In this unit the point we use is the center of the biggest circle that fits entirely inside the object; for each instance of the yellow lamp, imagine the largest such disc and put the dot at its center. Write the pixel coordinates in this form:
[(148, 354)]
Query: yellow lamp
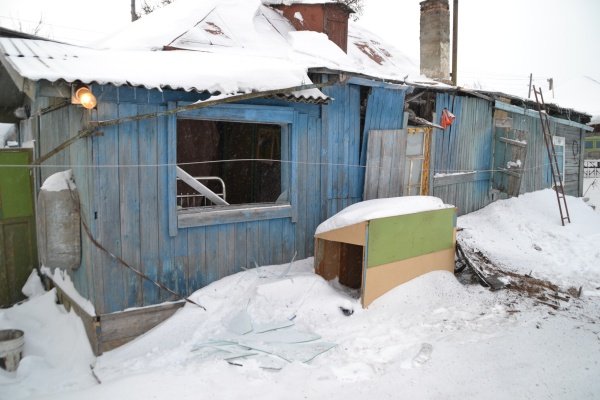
[(84, 96)]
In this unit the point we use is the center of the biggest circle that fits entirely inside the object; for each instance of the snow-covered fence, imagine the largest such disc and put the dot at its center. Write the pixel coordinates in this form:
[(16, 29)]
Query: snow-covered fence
[(591, 169)]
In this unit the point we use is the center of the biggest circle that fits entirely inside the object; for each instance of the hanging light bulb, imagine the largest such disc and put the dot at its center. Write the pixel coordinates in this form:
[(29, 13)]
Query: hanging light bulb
[(84, 96)]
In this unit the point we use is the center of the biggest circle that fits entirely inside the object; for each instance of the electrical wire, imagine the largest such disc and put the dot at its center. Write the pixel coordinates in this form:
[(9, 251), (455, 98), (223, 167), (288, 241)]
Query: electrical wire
[(303, 163)]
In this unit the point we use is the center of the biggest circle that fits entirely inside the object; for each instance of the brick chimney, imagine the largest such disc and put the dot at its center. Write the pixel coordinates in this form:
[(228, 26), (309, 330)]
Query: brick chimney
[(435, 39), (328, 18)]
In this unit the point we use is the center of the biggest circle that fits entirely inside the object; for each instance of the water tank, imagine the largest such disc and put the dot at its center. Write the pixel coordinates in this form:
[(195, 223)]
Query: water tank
[(58, 222)]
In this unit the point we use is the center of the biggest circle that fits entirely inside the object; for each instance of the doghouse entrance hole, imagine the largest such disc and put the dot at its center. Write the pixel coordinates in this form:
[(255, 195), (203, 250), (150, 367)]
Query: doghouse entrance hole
[(340, 260)]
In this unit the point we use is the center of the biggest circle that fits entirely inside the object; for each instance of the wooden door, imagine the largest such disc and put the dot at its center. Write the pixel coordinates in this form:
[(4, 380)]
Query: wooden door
[(386, 152), (397, 163), (18, 251)]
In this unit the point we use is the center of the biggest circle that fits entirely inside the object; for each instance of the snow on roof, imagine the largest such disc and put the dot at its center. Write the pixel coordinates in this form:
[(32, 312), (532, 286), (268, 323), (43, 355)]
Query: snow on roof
[(288, 2), (37, 60), (381, 208), (595, 120), (233, 46)]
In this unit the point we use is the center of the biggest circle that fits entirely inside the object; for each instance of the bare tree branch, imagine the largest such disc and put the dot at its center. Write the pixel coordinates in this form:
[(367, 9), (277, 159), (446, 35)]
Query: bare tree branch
[(147, 8)]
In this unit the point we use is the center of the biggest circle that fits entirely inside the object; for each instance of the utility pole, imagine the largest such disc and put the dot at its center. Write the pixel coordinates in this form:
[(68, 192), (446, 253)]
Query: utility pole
[(455, 44), (134, 15), (530, 82)]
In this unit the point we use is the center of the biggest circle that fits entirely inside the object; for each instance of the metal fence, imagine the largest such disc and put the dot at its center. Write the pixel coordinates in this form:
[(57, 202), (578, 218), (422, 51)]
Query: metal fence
[(591, 169)]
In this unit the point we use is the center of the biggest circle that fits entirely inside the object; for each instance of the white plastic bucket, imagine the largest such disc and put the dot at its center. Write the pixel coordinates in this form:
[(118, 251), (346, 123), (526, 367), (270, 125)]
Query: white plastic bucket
[(11, 348)]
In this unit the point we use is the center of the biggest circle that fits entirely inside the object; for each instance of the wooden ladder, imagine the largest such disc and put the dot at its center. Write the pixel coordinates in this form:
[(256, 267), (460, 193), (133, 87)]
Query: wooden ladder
[(555, 171)]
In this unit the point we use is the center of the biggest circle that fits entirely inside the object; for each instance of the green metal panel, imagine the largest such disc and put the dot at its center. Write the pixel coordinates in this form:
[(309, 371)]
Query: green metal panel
[(18, 251), (406, 236)]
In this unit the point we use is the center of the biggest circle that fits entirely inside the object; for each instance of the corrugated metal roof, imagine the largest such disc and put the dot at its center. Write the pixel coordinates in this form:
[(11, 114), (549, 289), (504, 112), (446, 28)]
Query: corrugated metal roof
[(218, 46), (41, 60)]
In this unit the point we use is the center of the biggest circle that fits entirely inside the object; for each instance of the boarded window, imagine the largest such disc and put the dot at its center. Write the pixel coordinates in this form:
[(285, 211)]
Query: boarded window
[(240, 162)]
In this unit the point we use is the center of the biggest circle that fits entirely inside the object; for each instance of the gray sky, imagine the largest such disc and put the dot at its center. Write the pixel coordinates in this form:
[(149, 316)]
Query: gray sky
[(500, 43)]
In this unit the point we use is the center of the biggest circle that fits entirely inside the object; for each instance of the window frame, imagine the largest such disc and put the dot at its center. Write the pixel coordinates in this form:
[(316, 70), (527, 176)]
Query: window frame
[(241, 113)]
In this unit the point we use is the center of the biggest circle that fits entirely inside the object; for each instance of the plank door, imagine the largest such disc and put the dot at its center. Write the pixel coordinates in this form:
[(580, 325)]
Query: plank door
[(510, 151), (18, 251), (386, 151)]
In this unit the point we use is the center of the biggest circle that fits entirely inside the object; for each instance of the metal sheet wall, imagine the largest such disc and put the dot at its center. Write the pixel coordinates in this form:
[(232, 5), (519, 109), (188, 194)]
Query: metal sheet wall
[(464, 148)]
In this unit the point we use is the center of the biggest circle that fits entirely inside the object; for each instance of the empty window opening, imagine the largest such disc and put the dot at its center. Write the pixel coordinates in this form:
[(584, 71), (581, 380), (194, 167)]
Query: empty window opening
[(241, 163)]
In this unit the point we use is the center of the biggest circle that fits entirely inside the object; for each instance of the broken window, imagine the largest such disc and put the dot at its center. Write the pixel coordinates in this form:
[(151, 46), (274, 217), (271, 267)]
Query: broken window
[(235, 163)]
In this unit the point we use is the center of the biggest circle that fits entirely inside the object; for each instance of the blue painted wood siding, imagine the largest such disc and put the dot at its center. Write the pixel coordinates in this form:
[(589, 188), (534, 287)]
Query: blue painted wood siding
[(125, 180), (537, 167), (464, 146), (340, 150)]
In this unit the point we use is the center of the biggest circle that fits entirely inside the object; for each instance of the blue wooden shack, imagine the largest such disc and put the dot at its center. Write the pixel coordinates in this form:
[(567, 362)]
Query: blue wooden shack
[(280, 137), (280, 161)]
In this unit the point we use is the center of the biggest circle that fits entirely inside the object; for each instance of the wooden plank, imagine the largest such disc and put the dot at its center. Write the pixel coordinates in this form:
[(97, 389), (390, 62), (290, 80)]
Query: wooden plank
[(288, 243), (130, 324), (253, 243), (223, 251), (108, 214), (301, 225), (372, 83), (81, 159), (94, 198), (461, 178), (294, 188), (91, 323), (181, 274), (234, 214), (241, 113), (512, 142), (344, 116), (325, 169), (432, 158), (149, 211), (125, 94), (130, 204), (164, 237), (172, 171), (355, 171), (240, 246), (275, 244), (313, 182), (373, 164), (388, 143), (212, 253), (196, 259), (229, 255), (264, 253)]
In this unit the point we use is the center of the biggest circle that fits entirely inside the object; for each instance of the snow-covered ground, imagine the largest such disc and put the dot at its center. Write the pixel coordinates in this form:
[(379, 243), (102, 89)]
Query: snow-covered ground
[(430, 338)]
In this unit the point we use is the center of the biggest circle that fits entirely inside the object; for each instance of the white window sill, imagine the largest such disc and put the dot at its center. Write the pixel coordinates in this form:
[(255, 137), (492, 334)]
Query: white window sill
[(204, 216)]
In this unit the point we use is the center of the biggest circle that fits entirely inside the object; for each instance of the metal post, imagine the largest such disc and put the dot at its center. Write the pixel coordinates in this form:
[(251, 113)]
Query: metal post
[(455, 44)]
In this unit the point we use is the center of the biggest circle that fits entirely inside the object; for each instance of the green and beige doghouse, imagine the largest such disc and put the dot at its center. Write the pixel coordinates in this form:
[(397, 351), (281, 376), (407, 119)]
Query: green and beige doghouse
[(378, 245)]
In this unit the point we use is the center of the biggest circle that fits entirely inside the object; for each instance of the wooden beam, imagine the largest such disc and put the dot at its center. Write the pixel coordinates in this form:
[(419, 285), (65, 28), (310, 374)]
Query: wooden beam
[(461, 178), (232, 214), (513, 142)]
